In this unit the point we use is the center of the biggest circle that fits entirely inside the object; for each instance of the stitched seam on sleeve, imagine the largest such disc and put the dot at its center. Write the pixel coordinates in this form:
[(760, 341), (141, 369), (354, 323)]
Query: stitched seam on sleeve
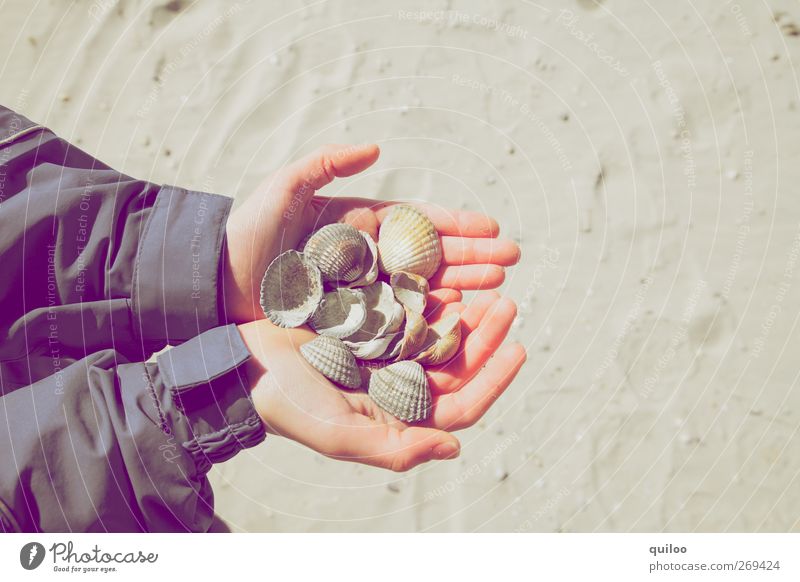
[(136, 303), (151, 390)]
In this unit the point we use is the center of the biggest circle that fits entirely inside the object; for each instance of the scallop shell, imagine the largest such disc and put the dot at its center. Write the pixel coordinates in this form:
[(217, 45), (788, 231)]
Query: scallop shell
[(401, 389), (408, 241), (340, 313), (443, 341), (291, 290), (412, 340), (333, 360), (384, 318), (338, 250), (410, 289), (370, 271)]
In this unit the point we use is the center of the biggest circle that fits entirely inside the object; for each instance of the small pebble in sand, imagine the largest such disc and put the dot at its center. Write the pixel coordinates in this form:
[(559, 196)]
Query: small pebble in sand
[(490, 180), (64, 98), (732, 174), (274, 60), (393, 487), (510, 149), (500, 474)]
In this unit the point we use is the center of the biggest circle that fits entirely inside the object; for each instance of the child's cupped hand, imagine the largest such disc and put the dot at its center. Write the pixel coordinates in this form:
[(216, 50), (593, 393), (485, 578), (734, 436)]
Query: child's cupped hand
[(286, 207), (294, 400)]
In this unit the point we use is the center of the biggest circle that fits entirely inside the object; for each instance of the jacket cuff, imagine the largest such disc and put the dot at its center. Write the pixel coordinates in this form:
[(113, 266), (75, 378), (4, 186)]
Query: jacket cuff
[(174, 293), (206, 381)]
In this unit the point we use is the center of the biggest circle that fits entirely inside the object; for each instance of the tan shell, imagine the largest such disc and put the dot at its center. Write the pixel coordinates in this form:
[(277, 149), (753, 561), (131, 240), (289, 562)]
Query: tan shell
[(338, 250), (370, 271), (408, 241), (291, 290), (401, 389), (333, 360), (410, 289), (443, 341), (341, 313), (412, 340)]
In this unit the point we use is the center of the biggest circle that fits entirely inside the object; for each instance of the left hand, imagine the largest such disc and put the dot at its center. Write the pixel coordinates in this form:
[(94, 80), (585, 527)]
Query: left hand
[(297, 402), (285, 208)]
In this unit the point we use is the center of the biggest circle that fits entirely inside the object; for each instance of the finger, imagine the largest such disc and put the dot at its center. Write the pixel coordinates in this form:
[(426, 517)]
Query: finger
[(470, 251), (451, 222), (397, 449), (477, 348), (477, 309), (469, 277), (309, 174), (465, 407), (447, 222), (439, 299)]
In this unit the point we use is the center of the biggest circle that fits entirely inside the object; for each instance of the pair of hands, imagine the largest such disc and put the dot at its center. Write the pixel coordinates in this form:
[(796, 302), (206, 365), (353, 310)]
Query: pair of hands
[(297, 402)]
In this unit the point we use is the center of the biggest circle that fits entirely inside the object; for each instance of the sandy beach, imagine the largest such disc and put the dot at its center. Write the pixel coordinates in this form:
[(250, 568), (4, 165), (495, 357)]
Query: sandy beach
[(645, 155)]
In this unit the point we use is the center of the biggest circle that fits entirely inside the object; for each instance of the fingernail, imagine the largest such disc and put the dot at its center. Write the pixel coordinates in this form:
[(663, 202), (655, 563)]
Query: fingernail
[(446, 451)]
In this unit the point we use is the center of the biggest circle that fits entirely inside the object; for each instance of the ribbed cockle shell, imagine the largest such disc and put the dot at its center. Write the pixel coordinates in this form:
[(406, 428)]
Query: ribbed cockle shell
[(333, 360), (443, 341), (291, 290), (408, 241), (338, 250), (401, 389)]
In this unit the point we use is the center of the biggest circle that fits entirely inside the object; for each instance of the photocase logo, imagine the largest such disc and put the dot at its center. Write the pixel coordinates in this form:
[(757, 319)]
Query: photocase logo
[(31, 555)]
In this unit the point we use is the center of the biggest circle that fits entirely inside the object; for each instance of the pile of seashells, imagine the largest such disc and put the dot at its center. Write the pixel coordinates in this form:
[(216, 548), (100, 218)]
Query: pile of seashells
[(366, 301)]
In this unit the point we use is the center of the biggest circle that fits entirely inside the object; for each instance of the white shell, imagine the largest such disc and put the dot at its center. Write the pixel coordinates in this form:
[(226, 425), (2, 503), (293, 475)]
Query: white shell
[(341, 312), (412, 339), (410, 289), (290, 290), (401, 389), (369, 273), (384, 318), (443, 341), (338, 250), (333, 360), (408, 241)]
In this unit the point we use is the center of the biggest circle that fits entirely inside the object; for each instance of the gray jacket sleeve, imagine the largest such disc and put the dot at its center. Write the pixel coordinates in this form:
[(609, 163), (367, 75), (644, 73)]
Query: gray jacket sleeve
[(99, 271)]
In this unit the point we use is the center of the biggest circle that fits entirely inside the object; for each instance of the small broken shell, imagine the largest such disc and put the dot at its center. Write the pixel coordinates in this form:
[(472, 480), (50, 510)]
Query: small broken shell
[(401, 389), (384, 318), (410, 289), (370, 272), (338, 250), (333, 360), (408, 241), (443, 341), (340, 313), (412, 340), (290, 290)]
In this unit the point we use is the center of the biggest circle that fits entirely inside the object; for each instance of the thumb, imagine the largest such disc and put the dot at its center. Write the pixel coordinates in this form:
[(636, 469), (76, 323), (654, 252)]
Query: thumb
[(399, 449), (309, 174)]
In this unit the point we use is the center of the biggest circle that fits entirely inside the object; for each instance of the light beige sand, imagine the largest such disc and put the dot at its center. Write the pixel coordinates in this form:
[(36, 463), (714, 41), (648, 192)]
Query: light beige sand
[(645, 154)]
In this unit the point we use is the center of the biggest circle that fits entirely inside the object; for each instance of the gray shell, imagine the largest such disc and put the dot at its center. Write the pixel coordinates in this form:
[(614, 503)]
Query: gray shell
[(338, 250), (401, 389), (369, 273), (333, 360), (290, 290)]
